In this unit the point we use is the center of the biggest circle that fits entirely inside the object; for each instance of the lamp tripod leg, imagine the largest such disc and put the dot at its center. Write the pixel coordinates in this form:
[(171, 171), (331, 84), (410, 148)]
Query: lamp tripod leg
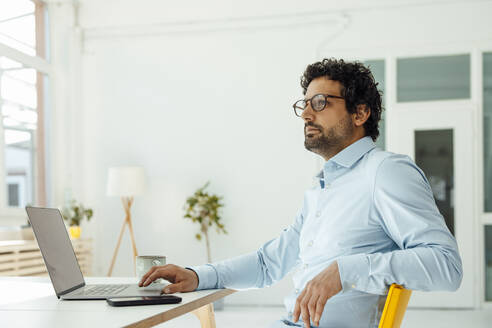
[(132, 236), (117, 247), (127, 203)]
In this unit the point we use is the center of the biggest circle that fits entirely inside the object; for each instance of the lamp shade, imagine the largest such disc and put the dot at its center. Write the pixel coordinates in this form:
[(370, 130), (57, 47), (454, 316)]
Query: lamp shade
[(125, 181)]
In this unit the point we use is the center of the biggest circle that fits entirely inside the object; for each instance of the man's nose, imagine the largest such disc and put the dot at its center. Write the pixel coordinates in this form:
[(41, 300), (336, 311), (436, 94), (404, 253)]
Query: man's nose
[(307, 114)]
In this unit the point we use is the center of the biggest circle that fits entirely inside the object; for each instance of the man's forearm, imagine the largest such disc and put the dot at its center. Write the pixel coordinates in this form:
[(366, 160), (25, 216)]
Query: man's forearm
[(256, 269), (428, 268), (241, 272)]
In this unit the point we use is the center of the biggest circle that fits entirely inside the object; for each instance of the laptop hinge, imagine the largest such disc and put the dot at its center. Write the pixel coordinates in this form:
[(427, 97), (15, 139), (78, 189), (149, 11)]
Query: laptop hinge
[(70, 290)]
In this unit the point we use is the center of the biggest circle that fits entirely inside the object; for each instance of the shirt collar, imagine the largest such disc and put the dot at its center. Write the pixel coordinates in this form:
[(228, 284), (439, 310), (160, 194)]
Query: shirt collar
[(349, 155)]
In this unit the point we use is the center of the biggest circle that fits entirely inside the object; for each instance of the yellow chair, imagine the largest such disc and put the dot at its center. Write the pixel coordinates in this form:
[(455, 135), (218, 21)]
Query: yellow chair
[(395, 306)]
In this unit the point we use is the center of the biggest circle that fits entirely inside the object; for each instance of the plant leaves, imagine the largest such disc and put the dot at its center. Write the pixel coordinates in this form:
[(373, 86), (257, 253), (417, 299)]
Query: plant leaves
[(203, 208)]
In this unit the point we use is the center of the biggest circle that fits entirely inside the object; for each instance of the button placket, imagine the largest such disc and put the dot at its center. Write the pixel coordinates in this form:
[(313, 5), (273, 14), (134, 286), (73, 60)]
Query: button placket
[(322, 199)]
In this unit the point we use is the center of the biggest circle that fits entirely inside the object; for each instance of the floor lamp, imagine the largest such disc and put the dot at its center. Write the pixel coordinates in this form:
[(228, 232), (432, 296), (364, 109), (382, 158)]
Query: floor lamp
[(125, 182)]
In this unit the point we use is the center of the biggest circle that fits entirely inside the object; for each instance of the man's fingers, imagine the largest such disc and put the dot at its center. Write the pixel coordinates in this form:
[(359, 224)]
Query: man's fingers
[(297, 307), (320, 306), (155, 275), (174, 288), (312, 306), (297, 311), (159, 272), (305, 312), (145, 276)]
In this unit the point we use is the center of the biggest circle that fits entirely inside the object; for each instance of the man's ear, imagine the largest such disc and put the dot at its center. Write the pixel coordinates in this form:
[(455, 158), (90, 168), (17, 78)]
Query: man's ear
[(361, 115)]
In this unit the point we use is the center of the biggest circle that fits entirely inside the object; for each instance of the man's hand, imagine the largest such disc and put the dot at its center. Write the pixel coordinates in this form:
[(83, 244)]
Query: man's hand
[(183, 280), (313, 298)]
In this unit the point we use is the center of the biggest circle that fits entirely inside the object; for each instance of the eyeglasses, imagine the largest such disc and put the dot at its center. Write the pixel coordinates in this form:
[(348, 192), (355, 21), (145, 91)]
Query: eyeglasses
[(318, 103)]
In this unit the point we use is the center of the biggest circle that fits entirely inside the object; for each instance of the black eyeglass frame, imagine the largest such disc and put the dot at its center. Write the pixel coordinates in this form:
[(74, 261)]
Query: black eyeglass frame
[(309, 100)]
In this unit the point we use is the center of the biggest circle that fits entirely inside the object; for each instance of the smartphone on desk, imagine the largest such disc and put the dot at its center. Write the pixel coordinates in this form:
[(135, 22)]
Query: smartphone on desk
[(143, 300)]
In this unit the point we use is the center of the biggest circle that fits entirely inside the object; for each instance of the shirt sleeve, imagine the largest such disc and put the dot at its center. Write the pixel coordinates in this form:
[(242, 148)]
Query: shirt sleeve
[(427, 258), (257, 269)]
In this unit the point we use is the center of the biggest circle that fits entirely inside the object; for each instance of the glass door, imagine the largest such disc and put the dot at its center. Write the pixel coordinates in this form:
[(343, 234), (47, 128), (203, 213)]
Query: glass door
[(439, 138)]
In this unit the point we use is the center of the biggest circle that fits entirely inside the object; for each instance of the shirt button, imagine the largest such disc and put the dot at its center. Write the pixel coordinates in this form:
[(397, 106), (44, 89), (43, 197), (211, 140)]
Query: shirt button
[(297, 291), (318, 214), (327, 185), (305, 266), (310, 243), (353, 286)]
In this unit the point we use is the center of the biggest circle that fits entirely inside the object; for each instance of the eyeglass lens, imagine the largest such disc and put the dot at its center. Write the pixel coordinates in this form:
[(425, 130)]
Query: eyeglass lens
[(318, 102)]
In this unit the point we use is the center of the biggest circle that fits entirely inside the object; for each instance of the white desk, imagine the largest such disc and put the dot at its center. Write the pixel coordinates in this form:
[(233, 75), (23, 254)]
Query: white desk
[(31, 301)]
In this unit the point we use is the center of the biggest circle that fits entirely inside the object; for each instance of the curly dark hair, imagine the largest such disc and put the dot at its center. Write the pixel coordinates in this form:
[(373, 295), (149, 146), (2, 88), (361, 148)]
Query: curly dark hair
[(358, 87)]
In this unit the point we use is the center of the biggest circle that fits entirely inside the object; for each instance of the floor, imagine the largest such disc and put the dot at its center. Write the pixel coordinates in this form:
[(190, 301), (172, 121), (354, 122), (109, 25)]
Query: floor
[(247, 317)]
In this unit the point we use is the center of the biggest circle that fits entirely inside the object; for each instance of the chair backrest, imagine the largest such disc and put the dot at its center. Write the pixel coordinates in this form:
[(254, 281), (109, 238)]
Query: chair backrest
[(395, 307)]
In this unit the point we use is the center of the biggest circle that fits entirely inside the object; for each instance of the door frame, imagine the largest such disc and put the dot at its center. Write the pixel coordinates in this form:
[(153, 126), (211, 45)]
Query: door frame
[(405, 118)]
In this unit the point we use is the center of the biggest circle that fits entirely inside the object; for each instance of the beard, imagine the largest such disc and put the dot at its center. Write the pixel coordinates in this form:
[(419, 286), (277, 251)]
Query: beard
[(329, 142)]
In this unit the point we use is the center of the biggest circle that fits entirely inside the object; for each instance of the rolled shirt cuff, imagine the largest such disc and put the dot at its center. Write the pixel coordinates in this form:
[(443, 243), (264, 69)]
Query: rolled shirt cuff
[(207, 276), (354, 272)]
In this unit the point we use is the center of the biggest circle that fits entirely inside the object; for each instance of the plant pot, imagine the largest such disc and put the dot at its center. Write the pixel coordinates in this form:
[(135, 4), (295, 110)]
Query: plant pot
[(74, 232)]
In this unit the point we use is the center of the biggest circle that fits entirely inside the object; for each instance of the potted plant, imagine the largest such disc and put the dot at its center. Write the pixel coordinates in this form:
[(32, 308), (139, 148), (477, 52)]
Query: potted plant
[(203, 208), (74, 214)]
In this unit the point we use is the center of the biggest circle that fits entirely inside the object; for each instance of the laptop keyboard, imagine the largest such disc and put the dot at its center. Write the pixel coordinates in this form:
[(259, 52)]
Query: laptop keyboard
[(104, 290)]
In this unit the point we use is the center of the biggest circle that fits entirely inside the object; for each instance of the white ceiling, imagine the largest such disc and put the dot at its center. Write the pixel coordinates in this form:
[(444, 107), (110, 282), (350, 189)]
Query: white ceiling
[(96, 13)]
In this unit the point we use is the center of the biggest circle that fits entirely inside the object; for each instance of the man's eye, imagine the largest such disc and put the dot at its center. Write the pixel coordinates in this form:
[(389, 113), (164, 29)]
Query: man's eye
[(318, 103)]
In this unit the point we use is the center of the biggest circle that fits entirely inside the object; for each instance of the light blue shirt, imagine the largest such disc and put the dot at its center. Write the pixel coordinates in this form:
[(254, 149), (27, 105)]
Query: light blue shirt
[(374, 213)]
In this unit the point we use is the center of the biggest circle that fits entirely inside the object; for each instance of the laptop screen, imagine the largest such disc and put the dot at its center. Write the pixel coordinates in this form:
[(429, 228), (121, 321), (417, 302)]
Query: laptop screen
[(55, 245)]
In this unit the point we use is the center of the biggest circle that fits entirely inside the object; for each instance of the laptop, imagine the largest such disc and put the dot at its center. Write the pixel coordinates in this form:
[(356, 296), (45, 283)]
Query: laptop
[(63, 268)]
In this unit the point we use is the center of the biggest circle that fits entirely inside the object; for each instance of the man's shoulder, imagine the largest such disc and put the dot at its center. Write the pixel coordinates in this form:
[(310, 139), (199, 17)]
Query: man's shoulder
[(378, 160), (377, 156), (387, 167)]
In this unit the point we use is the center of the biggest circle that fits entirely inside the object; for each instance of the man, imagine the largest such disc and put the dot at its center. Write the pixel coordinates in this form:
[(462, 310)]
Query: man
[(371, 222)]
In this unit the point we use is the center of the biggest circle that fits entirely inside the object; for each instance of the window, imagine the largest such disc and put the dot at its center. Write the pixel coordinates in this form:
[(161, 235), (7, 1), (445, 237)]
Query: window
[(433, 78), (23, 99), (487, 130), (434, 155), (17, 25), (488, 262)]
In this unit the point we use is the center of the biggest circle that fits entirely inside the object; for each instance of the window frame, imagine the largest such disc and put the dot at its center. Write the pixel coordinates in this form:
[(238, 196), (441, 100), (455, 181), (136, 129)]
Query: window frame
[(43, 69)]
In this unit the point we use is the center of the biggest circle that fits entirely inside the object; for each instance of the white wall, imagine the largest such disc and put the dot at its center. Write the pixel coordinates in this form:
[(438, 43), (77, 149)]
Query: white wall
[(212, 101), (213, 107)]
